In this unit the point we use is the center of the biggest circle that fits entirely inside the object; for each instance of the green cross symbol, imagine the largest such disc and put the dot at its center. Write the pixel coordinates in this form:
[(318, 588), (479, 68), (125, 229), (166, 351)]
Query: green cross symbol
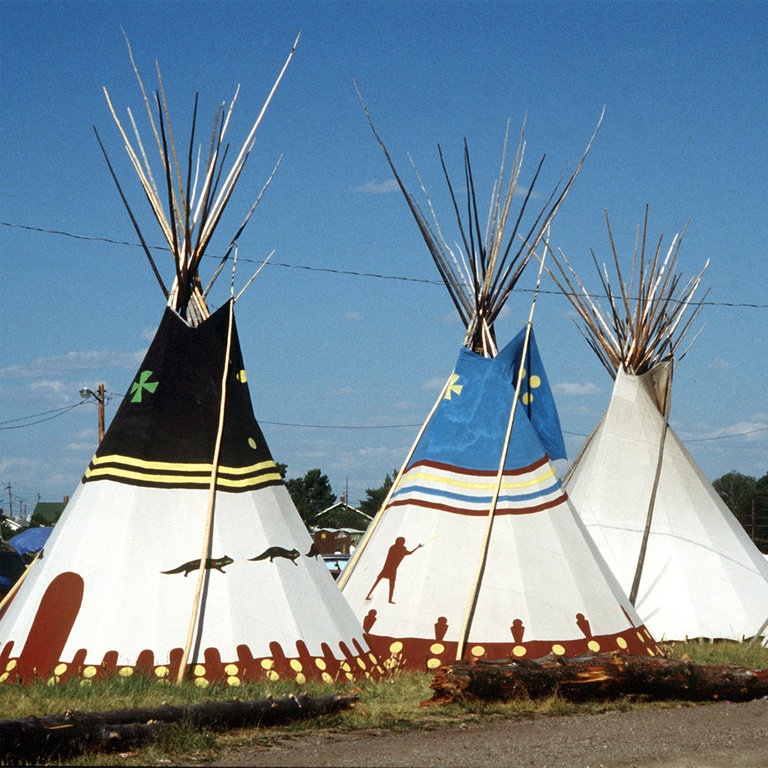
[(139, 386)]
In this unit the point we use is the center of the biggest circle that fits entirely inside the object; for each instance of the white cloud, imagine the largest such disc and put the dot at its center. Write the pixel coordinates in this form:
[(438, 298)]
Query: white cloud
[(352, 316), (753, 429), (576, 389), (433, 385), (346, 391), (378, 188), (719, 364), (73, 362), (52, 387), (521, 191)]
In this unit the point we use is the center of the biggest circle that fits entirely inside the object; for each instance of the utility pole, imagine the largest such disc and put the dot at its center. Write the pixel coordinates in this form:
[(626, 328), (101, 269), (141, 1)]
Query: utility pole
[(99, 397)]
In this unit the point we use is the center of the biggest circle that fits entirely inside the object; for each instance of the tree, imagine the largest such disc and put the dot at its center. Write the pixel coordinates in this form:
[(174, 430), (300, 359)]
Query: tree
[(747, 498), (375, 496), (311, 494)]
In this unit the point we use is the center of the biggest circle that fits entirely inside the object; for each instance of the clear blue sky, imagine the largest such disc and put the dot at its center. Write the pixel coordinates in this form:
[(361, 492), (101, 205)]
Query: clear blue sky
[(685, 86)]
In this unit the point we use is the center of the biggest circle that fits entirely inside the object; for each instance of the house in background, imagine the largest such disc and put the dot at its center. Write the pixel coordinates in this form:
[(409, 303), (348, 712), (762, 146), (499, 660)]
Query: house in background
[(339, 528), (48, 512)]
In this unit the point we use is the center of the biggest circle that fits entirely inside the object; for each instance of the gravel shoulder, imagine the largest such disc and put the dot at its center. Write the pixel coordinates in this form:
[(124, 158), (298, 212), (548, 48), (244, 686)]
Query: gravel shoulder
[(722, 735)]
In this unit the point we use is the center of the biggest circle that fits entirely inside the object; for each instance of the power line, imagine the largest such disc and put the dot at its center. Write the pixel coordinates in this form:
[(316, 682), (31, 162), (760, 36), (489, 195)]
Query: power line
[(56, 412), (9, 424), (330, 270), (724, 437), (339, 426)]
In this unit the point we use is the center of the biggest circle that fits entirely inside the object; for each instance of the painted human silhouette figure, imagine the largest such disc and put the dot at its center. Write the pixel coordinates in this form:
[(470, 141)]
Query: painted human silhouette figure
[(518, 630), (583, 624), (369, 620), (441, 627), (396, 554)]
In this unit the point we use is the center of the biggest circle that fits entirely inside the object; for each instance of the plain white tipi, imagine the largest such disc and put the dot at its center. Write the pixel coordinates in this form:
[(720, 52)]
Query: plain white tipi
[(477, 551), (181, 554), (675, 547)]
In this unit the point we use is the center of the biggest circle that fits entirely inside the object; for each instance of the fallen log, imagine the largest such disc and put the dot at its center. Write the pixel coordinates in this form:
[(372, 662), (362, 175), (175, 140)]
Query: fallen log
[(31, 739), (599, 677)]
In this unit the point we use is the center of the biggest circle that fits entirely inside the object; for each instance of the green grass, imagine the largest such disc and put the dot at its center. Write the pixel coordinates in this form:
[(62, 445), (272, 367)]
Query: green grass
[(392, 704)]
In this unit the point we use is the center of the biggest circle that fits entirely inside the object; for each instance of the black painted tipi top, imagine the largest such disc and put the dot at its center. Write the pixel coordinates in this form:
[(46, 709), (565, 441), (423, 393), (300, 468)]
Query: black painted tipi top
[(164, 433)]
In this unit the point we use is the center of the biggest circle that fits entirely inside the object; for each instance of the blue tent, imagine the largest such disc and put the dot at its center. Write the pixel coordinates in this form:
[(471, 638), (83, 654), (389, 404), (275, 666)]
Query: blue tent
[(30, 541)]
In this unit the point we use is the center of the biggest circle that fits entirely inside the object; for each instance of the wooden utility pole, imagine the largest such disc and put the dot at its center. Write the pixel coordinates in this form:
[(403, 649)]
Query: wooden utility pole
[(101, 401), (100, 397)]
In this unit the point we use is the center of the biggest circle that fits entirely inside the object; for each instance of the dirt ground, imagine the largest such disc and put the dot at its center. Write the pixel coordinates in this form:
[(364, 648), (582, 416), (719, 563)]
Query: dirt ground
[(722, 735)]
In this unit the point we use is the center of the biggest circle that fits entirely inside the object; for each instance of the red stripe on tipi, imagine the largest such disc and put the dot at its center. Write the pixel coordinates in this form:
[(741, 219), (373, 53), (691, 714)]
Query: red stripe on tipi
[(53, 622)]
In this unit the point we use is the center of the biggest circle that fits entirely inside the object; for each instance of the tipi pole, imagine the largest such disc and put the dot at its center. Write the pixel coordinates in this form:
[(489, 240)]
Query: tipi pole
[(652, 501), (499, 479), (211, 494), (752, 642), (345, 574)]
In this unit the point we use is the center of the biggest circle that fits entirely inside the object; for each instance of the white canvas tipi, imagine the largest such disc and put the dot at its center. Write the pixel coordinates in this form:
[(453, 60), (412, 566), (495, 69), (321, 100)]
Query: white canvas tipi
[(477, 551), (181, 553), (675, 547)]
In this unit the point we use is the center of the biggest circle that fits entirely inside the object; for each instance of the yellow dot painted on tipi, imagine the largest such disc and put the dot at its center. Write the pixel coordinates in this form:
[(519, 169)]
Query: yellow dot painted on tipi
[(296, 665), (59, 669), (527, 398), (640, 637), (52, 681), (345, 666), (267, 663), (126, 672), (534, 382), (3, 677), (523, 373), (301, 678), (349, 676), (272, 675), (162, 671), (372, 659), (320, 664), (593, 646), (396, 647), (85, 683), (230, 669), (648, 634), (199, 670), (202, 682), (252, 443), (11, 665), (650, 651), (436, 648), (519, 650), (360, 663), (558, 649), (89, 672), (233, 681), (433, 663), (241, 377), (327, 678), (621, 642), (478, 651)]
